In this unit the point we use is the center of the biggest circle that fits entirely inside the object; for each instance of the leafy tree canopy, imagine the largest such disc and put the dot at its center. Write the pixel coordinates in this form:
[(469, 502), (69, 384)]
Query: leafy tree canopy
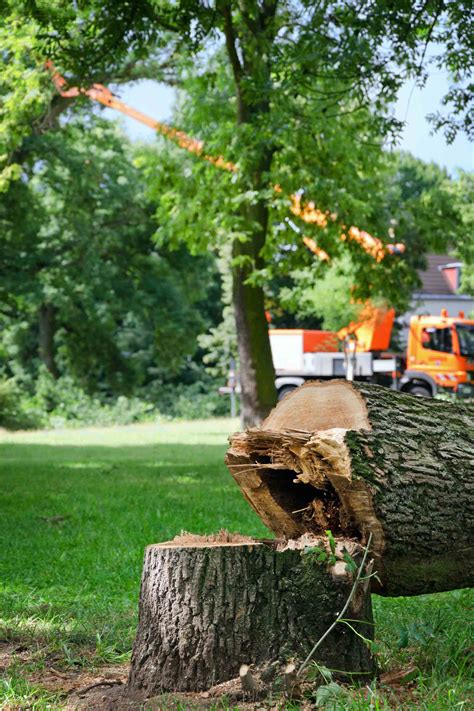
[(77, 237), (462, 194), (371, 47)]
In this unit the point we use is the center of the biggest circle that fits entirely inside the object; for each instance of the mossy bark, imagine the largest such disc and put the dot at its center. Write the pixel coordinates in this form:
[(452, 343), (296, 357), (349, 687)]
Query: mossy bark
[(377, 461), (206, 610), (418, 464)]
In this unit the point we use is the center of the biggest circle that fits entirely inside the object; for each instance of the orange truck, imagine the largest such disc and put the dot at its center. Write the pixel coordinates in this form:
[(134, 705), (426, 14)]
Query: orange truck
[(439, 355)]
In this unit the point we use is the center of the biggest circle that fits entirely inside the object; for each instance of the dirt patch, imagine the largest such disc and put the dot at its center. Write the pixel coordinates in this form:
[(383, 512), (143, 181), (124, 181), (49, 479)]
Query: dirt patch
[(39, 668), (105, 688), (222, 697)]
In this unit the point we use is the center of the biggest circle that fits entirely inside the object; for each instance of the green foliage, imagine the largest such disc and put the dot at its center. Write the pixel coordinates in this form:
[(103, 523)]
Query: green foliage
[(426, 210), (77, 230), (328, 298), (416, 200), (77, 243), (14, 411), (62, 403), (462, 194), (25, 92), (220, 345), (197, 401), (213, 199), (77, 236), (411, 202), (331, 696), (370, 51), (452, 33), (320, 131), (59, 403), (326, 553)]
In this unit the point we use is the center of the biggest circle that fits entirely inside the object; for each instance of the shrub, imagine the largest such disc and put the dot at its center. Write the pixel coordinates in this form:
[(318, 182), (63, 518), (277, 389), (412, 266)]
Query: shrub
[(197, 401), (14, 411), (62, 403)]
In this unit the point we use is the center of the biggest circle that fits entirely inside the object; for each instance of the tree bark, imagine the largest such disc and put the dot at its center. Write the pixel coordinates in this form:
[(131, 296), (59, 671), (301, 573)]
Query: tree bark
[(358, 458), (209, 606), (257, 374), (46, 333)]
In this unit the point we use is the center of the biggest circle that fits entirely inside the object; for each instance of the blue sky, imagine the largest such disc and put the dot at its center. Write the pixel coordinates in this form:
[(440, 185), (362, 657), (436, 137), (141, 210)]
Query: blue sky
[(413, 105)]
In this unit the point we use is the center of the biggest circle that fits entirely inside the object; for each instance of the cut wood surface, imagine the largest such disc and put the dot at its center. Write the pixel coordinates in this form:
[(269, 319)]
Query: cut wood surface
[(358, 458), (210, 608)]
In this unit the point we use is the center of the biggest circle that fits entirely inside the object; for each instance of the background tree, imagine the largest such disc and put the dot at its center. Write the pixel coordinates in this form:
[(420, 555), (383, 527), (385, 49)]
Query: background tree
[(83, 286), (462, 193)]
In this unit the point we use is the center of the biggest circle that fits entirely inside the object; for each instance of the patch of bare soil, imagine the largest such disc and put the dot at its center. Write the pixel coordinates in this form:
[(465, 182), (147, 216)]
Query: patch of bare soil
[(105, 688), (117, 699), (221, 697), (41, 670)]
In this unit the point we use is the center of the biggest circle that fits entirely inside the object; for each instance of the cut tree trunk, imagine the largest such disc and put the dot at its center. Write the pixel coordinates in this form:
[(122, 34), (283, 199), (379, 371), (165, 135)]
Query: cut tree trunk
[(357, 458), (210, 605)]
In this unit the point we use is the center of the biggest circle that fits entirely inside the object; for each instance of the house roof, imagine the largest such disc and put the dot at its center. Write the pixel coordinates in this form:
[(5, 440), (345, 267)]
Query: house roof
[(433, 280)]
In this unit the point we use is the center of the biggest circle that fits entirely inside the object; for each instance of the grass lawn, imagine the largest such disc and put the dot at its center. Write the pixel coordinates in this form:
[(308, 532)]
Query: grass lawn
[(77, 508)]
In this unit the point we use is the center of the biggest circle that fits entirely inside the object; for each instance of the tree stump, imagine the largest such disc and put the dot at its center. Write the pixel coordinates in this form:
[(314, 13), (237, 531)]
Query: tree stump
[(209, 605), (358, 458)]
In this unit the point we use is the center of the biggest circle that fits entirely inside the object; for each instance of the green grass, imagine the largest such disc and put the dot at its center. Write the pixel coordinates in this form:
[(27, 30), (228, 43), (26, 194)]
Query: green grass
[(69, 585)]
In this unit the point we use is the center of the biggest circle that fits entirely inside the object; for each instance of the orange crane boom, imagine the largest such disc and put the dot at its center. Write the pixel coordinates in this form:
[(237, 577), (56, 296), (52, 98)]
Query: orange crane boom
[(307, 212)]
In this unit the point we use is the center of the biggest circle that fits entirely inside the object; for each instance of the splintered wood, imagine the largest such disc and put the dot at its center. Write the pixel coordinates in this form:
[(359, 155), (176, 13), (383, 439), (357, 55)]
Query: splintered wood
[(280, 474), (356, 459), (288, 468)]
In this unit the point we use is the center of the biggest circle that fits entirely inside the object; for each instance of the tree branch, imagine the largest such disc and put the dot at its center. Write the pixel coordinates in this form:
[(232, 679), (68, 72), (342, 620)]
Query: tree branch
[(230, 41), (237, 70)]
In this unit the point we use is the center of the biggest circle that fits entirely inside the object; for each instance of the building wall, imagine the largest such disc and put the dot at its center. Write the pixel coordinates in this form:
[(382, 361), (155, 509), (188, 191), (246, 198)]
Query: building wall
[(433, 303)]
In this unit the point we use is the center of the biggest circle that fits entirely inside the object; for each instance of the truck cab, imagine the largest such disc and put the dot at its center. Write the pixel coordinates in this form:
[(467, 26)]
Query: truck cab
[(440, 356)]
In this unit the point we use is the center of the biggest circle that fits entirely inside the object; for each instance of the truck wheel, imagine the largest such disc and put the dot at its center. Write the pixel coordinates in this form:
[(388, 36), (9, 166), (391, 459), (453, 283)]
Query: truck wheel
[(284, 391), (420, 391)]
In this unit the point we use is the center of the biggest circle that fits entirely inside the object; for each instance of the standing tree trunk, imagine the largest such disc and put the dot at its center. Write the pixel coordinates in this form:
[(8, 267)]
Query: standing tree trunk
[(358, 458), (207, 606), (251, 69), (46, 333), (257, 375)]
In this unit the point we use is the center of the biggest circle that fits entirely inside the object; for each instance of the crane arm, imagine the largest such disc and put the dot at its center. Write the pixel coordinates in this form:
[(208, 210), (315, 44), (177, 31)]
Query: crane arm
[(307, 212), (103, 95)]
